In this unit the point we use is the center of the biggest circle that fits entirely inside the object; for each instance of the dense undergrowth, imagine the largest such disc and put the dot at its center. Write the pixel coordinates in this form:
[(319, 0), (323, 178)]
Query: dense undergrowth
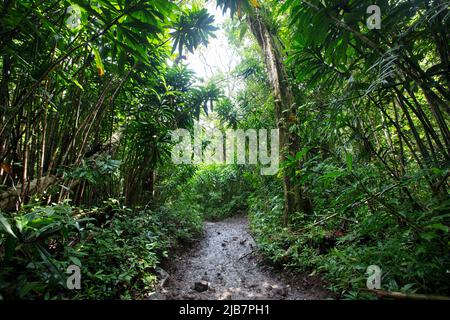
[(117, 258), (221, 191), (340, 249)]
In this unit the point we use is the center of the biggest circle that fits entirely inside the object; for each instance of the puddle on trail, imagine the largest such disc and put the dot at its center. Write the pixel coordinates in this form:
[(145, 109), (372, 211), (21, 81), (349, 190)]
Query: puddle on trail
[(226, 258)]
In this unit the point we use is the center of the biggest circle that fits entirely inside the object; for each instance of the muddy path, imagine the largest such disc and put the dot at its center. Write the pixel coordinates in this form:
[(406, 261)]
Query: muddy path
[(225, 265)]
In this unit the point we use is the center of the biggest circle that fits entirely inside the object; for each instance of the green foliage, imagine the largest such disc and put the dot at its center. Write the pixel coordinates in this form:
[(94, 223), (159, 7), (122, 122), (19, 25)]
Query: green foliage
[(35, 244), (121, 259), (95, 170), (118, 259), (216, 192), (222, 192), (346, 235), (239, 7), (192, 29)]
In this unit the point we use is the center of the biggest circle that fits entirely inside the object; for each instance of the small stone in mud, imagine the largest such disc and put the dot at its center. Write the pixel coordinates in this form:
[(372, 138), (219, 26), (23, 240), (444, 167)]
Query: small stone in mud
[(227, 296), (164, 276), (201, 286), (156, 296), (281, 291), (188, 297)]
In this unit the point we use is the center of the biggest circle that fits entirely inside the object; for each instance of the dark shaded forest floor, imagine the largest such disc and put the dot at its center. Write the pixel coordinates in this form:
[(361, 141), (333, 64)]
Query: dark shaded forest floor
[(227, 266)]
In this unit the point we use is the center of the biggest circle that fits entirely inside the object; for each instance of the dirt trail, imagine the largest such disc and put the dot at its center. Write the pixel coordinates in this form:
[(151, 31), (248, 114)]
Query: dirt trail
[(226, 259)]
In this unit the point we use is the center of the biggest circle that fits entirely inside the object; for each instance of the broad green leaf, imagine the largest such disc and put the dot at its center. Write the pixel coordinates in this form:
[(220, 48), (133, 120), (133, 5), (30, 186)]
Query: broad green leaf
[(6, 226), (76, 261), (349, 160)]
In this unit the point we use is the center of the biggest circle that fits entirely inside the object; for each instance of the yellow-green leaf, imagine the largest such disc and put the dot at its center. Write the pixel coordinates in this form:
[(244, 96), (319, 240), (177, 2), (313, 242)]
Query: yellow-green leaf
[(98, 62), (255, 3)]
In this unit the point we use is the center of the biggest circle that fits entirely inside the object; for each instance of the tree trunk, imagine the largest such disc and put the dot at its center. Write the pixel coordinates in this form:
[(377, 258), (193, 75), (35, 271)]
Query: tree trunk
[(285, 111)]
